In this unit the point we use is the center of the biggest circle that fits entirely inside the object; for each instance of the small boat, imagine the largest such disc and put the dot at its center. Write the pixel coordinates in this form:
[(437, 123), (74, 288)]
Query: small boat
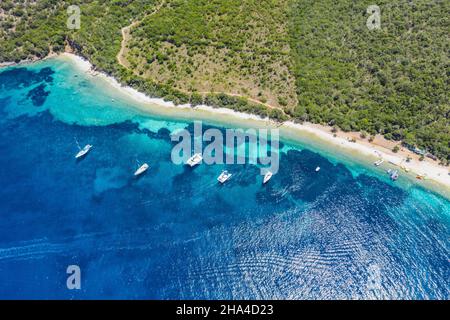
[(267, 177), (379, 162), (194, 160), (83, 151), (224, 177), (394, 175), (141, 170), (317, 169)]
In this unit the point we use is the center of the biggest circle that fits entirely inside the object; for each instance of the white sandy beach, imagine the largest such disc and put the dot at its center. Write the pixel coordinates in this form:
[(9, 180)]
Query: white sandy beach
[(380, 148), (427, 168)]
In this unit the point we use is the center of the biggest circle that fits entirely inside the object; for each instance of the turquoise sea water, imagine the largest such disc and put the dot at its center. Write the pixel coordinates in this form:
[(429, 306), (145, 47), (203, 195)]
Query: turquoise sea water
[(345, 232)]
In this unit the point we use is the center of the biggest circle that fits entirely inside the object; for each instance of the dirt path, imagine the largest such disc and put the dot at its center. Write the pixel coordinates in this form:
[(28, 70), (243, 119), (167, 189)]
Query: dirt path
[(122, 61), (245, 97), (126, 34)]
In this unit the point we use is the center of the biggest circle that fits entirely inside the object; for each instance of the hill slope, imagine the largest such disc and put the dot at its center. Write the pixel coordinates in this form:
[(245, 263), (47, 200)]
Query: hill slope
[(316, 59), (232, 46), (392, 81)]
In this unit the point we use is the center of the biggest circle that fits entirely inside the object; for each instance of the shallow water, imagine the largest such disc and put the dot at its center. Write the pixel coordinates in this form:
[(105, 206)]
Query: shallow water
[(345, 232)]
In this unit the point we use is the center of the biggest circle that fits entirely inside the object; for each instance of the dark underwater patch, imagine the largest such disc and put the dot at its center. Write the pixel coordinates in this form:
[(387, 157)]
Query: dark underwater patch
[(4, 102), (38, 95), (46, 74), (23, 77), (347, 223)]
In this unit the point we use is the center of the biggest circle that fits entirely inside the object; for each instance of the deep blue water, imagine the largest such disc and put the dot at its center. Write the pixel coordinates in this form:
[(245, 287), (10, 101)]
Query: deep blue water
[(175, 233)]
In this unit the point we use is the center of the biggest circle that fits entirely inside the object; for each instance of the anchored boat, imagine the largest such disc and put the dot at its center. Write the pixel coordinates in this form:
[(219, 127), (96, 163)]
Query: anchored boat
[(267, 177), (83, 151), (141, 170), (194, 160), (224, 177), (394, 175)]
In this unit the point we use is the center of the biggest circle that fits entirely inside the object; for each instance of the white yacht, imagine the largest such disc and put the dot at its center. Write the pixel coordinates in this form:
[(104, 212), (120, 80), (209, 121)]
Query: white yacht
[(224, 176), (195, 160), (83, 151), (317, 169), (267, 177), (141, 170), (379, 162)]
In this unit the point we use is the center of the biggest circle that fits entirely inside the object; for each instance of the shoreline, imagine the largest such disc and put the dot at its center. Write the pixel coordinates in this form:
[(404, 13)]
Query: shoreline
[(7, 64), (379, 148), (376, 150)]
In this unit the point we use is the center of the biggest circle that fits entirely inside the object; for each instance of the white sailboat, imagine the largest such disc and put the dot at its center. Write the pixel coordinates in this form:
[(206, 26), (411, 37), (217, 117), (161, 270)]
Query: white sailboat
[(224, 177), (267, 177), (141, 170), (317, 169), (194, 160), (83, 151)]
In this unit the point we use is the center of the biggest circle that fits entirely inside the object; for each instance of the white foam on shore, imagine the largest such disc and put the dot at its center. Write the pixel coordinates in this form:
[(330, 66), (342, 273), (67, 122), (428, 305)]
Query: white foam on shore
[(225, 111), (432, 170), (86, 66), (6, 64)]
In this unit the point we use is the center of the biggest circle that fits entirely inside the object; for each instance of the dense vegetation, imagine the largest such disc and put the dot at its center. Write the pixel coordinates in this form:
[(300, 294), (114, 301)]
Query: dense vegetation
[(392, 81), (30, 29), (314, 58), (41, 27), (233, 46)]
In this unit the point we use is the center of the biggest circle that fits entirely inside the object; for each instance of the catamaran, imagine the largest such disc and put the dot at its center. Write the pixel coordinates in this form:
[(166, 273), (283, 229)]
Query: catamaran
[(141, 170), (267, 177), (379, 162), (83, 151), (224, 176), (195, 160)]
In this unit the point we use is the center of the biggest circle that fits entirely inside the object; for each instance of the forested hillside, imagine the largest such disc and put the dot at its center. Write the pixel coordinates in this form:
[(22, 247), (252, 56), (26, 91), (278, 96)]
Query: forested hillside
[(393, 81), (30, 29), (33, 28), (233, 46), (315, 59)]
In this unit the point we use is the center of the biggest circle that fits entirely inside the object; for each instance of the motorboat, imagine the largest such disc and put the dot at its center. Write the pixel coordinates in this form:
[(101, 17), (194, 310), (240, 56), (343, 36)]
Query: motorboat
[(394, 175), (224, 177), (194, 160)]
